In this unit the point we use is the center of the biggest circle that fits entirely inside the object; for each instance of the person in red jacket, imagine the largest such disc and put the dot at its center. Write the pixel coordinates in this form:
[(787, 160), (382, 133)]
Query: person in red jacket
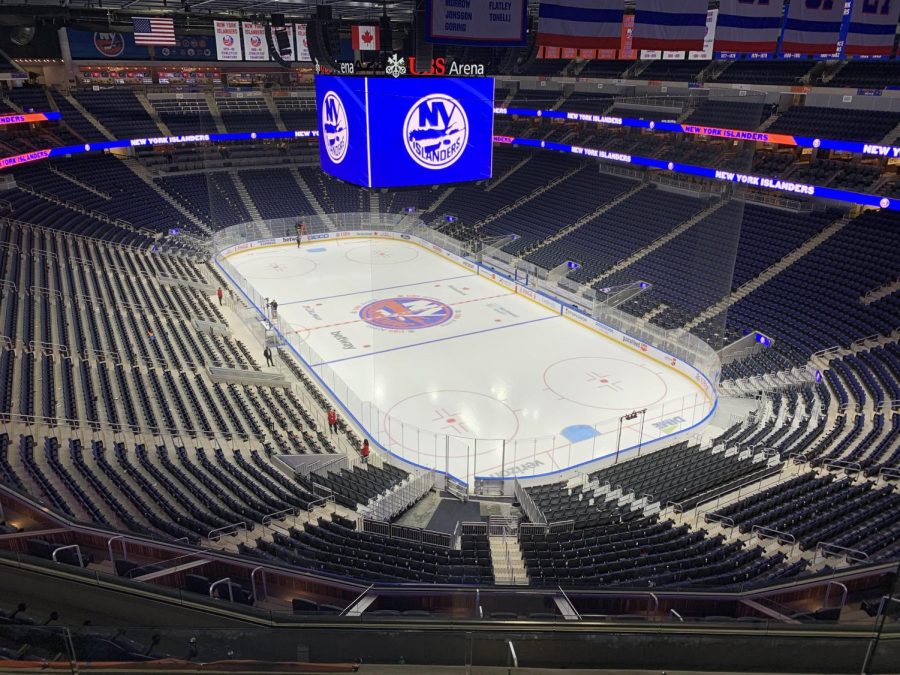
[(364, 451), (220, 294), (332, 420)]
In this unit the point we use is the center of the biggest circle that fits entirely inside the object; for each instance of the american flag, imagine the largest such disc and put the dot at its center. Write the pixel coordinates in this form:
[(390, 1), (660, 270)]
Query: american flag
[(154, 31)]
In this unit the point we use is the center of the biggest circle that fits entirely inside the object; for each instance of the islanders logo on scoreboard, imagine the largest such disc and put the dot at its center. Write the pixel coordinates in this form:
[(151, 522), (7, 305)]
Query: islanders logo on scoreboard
[(436, 131), (406, 313), (335, 130)]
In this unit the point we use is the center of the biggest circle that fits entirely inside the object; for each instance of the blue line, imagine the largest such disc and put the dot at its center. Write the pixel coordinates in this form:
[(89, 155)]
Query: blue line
[(375, 290), (428, 342)]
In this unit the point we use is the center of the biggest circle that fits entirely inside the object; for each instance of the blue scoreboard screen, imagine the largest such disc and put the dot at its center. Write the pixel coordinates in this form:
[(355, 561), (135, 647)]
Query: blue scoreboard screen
[(399, 132)]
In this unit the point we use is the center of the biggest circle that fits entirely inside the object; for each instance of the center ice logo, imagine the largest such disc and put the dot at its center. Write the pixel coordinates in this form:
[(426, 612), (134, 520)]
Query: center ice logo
[(410, 313), (436, 131), (335, 131)]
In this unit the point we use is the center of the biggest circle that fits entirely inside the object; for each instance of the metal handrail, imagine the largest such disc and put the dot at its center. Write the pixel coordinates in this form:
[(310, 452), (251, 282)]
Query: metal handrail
[(718, 518), (827, 548), (355, 600), (761, 531), (213, 585), (256, 597), (327, 490), (220, 531), (319, 502), (473, 527), (828, 593), (677, 507), (569, 600), (64, 548), (844, 464), (512, 653), (109, 547), (278, 515)]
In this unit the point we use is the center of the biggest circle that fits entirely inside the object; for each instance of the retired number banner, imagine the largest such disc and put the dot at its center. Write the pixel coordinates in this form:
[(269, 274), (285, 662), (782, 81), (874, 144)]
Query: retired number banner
[(477, 22)]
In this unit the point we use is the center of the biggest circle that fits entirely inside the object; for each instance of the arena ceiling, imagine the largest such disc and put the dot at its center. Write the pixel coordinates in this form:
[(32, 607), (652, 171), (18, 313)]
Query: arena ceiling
[(349, 10)]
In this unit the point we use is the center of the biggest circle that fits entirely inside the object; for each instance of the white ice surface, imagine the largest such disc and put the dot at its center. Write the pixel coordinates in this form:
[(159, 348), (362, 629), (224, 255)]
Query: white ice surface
[(501, 368)]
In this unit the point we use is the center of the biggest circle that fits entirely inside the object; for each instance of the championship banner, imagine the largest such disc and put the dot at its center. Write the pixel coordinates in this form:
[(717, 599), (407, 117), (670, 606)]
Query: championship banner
[(873, 24), (292, 55), (673, 56), (255, 47), (658, 25), (584, 24), (301, 45), (626, 45), (812, 27), (228, 40), (485, 23), (650, 54), (745, 28), (706, 53)]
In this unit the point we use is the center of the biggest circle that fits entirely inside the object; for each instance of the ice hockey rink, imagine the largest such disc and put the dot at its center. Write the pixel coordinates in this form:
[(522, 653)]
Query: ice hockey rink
[(456, 372)]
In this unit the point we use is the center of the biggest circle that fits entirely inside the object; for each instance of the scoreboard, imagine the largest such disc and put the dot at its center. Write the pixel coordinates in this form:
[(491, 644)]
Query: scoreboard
[(399, 132)]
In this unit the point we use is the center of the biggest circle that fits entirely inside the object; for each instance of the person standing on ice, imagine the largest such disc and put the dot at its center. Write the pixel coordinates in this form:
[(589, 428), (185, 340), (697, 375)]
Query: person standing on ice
[(301, 230), (274, 307)]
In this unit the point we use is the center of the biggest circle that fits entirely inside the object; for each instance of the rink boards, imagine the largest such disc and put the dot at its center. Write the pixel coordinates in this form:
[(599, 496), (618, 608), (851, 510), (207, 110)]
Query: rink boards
[(365, 367)]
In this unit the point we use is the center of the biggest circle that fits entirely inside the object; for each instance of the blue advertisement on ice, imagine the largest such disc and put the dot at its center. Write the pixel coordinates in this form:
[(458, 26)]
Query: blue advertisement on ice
[(396, 132)]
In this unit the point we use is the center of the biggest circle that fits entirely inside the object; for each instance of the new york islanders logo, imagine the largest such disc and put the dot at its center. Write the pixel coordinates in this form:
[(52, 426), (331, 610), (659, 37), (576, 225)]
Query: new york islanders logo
[(436, 131), (109, 45), (406, 313), (335, 131)]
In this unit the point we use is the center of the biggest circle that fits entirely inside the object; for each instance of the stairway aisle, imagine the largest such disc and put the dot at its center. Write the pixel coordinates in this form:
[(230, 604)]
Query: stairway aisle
[(506, 558)]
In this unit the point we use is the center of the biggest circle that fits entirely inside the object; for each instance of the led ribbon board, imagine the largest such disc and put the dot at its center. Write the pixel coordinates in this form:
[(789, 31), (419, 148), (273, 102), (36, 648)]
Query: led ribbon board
[(750, 180), (29, 118), (46, 153), (716, 132), (764, 182), (398, 132)]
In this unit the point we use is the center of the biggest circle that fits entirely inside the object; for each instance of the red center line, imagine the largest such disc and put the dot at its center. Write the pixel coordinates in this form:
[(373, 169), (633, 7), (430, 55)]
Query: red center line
[(452, 304)]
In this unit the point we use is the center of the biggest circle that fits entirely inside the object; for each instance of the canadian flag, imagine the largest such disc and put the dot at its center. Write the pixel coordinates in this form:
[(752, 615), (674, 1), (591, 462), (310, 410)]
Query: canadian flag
[(365, 38)]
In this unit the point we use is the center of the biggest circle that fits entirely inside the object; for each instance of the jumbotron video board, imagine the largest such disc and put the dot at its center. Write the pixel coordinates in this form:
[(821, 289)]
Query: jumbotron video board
[(403, 132)]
